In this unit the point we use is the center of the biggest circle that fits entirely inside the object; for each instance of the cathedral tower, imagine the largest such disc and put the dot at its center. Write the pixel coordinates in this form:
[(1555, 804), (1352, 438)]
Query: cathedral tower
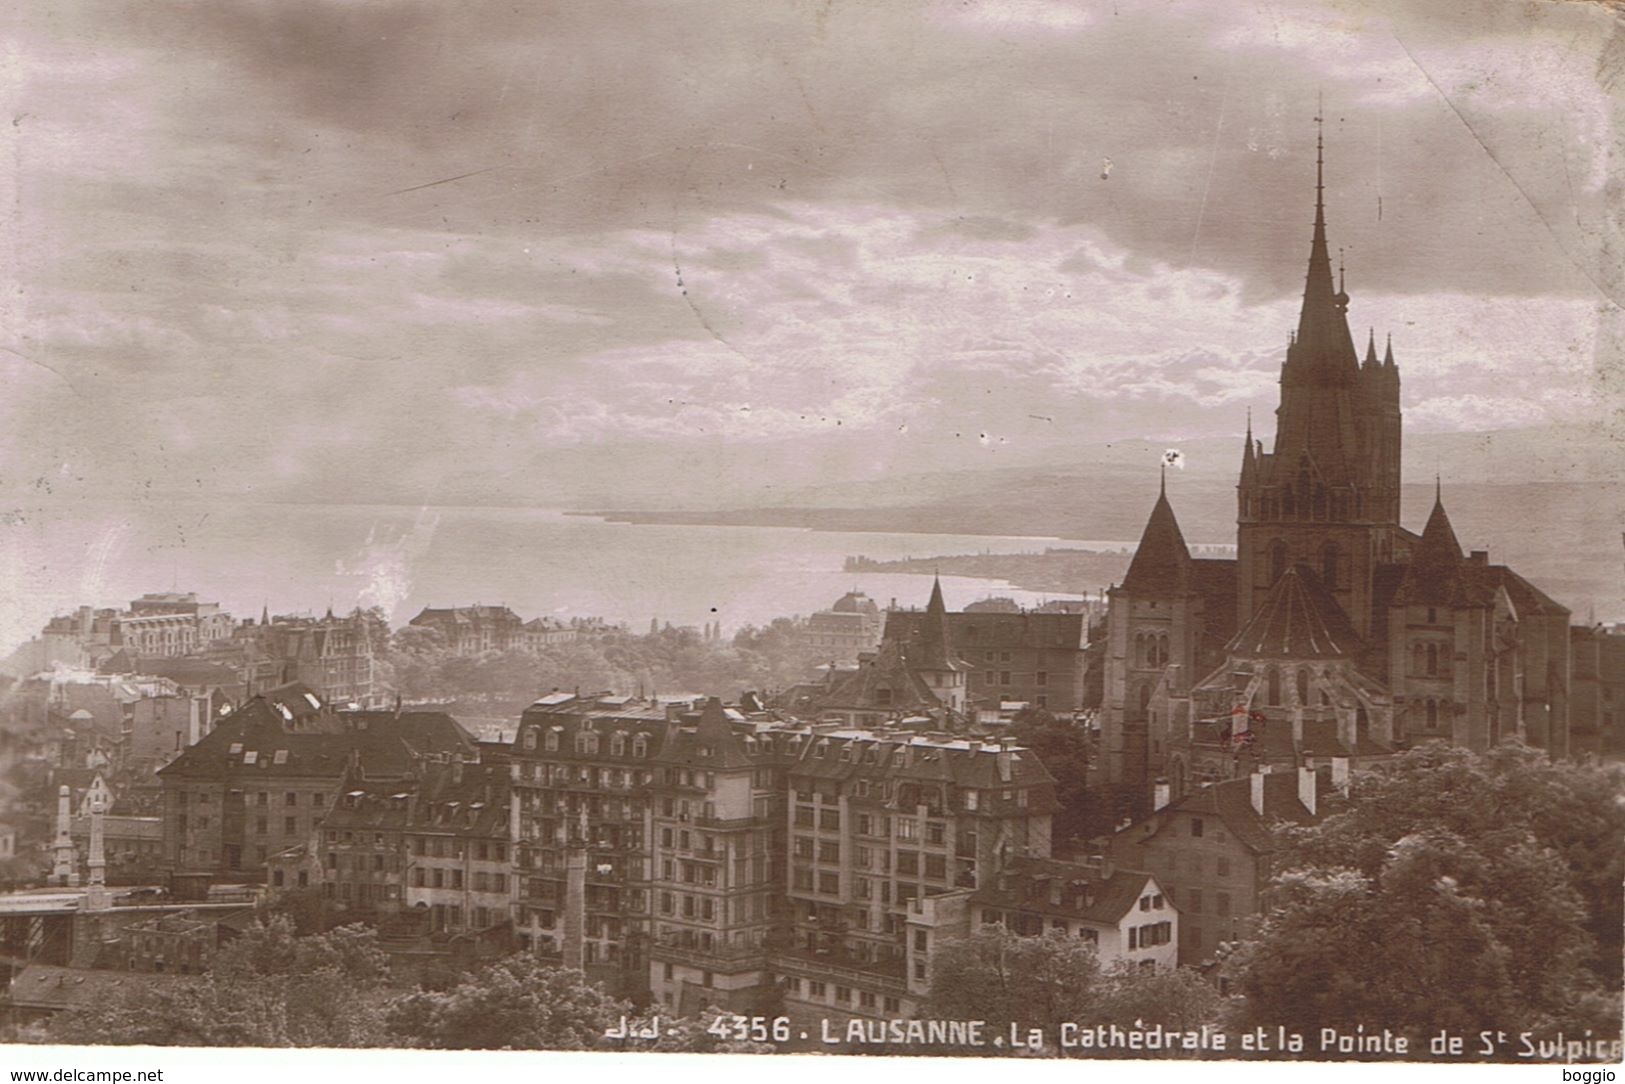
[(1327, 495)]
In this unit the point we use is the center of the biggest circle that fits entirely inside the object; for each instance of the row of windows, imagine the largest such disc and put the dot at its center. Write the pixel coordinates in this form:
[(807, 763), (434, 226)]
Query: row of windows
[(587, 742), (1188, 861), (819, 990), (1157, 933), (262, 798), (1194, 902)]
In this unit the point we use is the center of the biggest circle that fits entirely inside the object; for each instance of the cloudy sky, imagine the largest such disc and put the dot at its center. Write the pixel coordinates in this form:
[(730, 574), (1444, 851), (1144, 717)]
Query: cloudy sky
[(335, 247)]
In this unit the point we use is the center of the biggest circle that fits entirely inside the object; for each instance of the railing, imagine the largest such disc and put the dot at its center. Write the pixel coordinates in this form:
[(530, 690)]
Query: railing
[(735, 822), (715, 959), (833, 966)]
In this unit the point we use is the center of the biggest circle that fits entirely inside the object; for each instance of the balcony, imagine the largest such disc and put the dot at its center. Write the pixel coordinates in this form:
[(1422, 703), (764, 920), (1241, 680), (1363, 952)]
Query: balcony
[(725, 823), (843, 968), (730, 958)]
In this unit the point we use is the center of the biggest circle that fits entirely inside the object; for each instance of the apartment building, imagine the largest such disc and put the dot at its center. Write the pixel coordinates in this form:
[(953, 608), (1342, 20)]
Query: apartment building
[(877, 820), (1212, 849), (582, 769)]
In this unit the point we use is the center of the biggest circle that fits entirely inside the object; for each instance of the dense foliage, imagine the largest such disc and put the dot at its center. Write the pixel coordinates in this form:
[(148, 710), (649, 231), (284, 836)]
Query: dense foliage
[(1459, 891), (267, 987), (668, 660), (998, 976)]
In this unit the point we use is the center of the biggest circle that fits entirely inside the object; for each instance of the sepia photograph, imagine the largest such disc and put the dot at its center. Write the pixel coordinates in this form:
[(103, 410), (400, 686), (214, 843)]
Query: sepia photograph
[(1033, 529)]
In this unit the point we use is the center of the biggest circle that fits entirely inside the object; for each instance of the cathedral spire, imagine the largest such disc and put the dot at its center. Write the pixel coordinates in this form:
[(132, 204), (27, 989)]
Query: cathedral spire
[(1371, 349), (1323, 337), (1388, 357)]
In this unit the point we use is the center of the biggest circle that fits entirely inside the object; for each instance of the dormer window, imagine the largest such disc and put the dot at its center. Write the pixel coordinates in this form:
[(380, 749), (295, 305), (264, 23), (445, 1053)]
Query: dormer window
[(617, 744), (552, 740), (640, 746), (530, 740)]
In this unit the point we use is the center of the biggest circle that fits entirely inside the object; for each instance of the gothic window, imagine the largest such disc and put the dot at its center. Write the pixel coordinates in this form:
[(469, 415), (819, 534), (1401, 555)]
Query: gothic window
[(1286, 503), (1329, 557), (1433, 658), (1273, 679), (1418, 659), (1139, 650), (1433, 714), (1320, 501), (1145, 697), (1303, 685), (1277, 559)]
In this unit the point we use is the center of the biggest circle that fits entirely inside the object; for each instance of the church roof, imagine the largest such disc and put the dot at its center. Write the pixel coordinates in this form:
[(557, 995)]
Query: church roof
[(1298, 619), (1162, 561)]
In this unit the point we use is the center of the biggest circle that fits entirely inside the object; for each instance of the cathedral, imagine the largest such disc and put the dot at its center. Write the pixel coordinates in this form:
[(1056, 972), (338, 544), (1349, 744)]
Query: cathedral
[(1335, 631)]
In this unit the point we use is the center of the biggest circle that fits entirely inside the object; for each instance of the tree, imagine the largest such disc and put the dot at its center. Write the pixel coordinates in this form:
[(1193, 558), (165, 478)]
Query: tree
[(517, 1003), (266, 988), (1454, 891), (998, 976), (1494, 802)]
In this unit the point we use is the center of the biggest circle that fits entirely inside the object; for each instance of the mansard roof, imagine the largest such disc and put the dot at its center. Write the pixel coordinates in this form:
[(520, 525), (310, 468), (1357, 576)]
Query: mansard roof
[(1162, 562), (265, 739), (1298, 619)]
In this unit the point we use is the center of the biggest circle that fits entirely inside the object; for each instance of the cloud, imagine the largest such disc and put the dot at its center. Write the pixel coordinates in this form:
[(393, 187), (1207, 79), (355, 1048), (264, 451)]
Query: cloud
[(311, 243)]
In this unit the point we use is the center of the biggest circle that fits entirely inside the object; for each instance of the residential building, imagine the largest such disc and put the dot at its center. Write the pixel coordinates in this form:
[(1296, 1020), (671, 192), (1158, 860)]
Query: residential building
[(582, 771), (1124, 914), (268, 774), (459, 849), (716, 870), (1211, 849), (1597, 696), (919, 674), (1030, 656)]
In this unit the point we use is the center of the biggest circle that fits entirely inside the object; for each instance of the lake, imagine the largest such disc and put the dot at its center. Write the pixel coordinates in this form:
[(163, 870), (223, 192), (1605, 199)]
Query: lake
[(304, 558)]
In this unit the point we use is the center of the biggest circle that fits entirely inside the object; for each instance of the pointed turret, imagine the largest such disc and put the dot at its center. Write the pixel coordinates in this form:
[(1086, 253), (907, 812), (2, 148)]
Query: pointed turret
[(1435, 575), (265, 614), (933, 651), (1162, 562), (1388, 355), (1371, 350), (1249, 460)]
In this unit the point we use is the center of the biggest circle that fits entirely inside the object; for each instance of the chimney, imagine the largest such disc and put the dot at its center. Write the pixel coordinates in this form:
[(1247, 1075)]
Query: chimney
[(1002, 758), (1257, 782), (1306, 789), (1161, 795), (1340, 774)]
